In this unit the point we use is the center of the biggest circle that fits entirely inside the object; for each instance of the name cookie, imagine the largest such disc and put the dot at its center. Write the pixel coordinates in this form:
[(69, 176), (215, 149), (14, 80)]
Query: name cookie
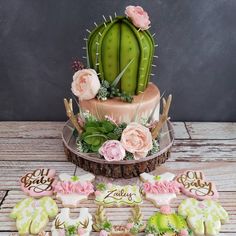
[(64, 225), (38, 183), (160, 189), (203, 217), (33, 215), (71, 190), (193, 184), (109, 194)]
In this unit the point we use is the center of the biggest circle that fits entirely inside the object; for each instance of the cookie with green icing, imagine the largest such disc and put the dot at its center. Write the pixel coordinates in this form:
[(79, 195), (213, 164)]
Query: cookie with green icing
[(167, 222), (203, 217), (33, 215)]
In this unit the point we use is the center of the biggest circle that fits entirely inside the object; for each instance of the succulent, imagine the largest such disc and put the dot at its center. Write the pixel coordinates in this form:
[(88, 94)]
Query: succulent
[(113, 45)]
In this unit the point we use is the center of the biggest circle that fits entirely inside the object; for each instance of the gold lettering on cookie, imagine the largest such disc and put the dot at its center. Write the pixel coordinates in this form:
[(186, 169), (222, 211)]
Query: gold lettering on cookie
[(38, 181), (119, 194), (193, 182)]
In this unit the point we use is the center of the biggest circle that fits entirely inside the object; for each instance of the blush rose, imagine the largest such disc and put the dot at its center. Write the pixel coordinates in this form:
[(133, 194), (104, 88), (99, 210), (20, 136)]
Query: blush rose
[(112, 150), (138, 16), (85, 84), (137, 139)]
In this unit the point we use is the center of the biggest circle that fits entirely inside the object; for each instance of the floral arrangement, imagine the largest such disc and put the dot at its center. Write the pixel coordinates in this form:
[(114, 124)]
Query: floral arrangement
[(114, 141)]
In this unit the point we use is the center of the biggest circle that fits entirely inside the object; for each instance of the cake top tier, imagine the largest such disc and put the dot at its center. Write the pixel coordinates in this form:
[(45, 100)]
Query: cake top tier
[(121, 42)]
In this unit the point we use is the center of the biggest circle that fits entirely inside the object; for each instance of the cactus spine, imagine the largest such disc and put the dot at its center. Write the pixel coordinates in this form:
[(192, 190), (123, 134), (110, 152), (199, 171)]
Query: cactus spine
[(112, 45)]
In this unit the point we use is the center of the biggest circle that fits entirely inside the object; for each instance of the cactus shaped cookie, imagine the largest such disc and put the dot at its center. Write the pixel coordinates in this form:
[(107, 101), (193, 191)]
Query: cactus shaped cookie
[(203, 217), (160, 189), (38, 183), (167, 222), (113, 45), (116, 195), (71, 190), (33, 215), (64, 225), (194, 184)]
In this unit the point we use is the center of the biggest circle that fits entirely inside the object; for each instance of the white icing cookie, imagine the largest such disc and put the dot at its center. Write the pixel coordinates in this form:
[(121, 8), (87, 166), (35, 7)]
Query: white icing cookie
[(160, 189), (203, 217), (116, 195), (71, 190), (63, 224)]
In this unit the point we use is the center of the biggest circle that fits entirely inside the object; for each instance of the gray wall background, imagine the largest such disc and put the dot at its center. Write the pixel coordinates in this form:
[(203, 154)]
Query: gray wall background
[(197, 54)]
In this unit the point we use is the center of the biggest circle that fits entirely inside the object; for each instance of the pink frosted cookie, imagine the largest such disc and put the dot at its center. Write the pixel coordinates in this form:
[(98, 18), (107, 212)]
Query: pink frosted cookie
[(71, 190), (38, 183), (193, 184), (160, 189)]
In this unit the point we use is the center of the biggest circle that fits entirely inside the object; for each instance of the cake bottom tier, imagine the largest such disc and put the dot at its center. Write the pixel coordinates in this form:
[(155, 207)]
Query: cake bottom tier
[(141, 107)]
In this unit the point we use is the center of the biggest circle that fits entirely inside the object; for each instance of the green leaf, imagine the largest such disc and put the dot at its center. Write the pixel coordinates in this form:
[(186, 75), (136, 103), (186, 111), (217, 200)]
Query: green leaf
[(108, 126), (92, 129), (117, 79), (101, 187), (95, 148), (112, 136)]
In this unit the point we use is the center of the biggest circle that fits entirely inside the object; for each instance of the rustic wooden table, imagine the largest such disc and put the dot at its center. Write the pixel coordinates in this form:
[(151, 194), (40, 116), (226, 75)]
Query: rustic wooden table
[(210, 147)]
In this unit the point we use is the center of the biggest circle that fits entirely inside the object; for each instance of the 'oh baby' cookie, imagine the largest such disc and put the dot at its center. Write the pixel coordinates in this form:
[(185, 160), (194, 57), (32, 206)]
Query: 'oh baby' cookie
[(64, 225), (203, 217), (38, 183), (71, 190), (193, 184), (32, 215), (160, 189), (116, 195)]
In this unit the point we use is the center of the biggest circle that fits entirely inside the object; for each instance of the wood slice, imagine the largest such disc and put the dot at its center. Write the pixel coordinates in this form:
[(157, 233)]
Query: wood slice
[(117, 169)]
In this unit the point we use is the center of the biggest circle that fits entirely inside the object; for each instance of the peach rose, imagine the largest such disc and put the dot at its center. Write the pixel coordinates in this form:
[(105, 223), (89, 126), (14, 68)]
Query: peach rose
[(138, 16), (137, 139), (85, 84)]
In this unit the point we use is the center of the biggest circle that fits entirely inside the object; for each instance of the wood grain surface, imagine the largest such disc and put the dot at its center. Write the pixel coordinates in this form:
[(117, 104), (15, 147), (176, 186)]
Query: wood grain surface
[(210, 147)]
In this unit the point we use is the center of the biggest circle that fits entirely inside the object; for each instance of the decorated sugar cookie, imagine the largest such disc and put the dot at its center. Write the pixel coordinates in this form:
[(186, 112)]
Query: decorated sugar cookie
[(160, 189), (167, 223), (38, 183), (193, 184), (203, 217), (116, 195), (71, 190), (64, 225), (103, 225), (33, 215)]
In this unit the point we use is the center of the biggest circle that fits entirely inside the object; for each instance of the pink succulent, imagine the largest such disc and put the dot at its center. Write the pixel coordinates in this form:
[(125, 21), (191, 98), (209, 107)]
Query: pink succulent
[(112, 150), (130, 226), (81, 231), (138, 16)]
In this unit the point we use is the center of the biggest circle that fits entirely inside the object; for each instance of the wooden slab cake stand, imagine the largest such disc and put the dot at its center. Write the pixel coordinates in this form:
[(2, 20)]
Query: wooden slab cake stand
[(117, 169)]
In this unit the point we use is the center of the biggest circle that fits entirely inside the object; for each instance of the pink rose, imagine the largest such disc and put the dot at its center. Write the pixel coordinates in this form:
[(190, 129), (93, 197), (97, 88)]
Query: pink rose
[(103, 233), (137, 139), (183, 232), (138, 16), (130, 226), (85, 84), (112, 150), (166, 210)]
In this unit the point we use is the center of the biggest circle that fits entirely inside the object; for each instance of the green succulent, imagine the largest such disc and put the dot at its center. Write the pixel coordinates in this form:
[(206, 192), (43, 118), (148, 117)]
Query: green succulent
[(97, 132)]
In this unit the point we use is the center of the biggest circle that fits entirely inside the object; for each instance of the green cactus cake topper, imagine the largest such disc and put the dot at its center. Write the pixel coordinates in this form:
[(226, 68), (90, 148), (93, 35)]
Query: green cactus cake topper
[(112, 45)]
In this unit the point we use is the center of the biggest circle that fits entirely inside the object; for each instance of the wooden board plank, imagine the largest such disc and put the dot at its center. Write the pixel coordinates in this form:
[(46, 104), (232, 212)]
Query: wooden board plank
[(211, 130), (32, 149), (118, 215), (204, 150), (223, 173), (27, 129), (180, 131), (52, 149), (2, 195)]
